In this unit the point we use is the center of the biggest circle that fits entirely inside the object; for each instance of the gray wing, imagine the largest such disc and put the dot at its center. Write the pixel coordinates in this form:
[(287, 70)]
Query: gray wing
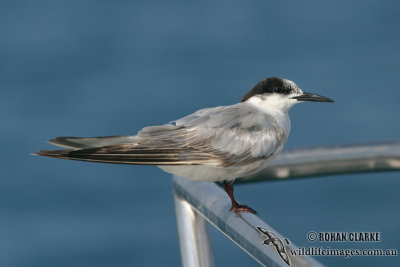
[(221, 136), (241, 130)]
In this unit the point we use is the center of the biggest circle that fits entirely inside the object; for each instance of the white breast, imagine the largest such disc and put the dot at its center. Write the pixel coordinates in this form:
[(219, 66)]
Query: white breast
[(276, 106)]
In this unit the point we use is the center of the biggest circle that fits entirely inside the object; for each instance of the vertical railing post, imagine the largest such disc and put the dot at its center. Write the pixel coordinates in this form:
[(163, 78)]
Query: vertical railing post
[(194, 239)]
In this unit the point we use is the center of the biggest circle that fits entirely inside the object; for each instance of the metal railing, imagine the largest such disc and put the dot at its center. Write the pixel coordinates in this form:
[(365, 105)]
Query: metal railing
[(196, 202)]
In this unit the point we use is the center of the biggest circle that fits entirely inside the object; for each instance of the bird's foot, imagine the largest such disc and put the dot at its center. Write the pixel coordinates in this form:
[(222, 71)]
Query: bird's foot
[(239, 207), (236, 207)]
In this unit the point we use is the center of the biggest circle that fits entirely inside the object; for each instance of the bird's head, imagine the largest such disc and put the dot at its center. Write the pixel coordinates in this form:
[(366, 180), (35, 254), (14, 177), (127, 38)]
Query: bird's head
[(280, 94)]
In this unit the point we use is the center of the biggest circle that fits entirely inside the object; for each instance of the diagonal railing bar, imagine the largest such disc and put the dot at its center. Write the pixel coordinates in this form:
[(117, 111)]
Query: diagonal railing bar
[(211, 202)]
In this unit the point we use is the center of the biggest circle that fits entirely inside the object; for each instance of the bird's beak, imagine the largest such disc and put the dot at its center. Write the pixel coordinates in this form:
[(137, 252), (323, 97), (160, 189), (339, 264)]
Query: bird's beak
[(312, 97)]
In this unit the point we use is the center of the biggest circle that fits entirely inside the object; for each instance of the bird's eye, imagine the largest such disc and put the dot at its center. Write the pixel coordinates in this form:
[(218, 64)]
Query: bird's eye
[(278, 90)]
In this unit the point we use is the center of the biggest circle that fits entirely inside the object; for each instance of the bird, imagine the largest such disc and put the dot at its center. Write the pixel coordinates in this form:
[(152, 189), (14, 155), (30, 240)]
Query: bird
[(217, 144)]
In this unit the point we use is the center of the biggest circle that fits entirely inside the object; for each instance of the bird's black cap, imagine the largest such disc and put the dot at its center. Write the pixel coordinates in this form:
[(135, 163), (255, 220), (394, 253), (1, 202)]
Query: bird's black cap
[(269, 85)]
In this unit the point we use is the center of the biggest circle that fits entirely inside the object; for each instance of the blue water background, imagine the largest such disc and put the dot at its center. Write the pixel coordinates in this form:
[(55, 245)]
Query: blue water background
[(92, 68)]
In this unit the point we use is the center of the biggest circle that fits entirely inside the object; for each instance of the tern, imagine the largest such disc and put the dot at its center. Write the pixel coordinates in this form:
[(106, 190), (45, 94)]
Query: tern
[(212, 144)]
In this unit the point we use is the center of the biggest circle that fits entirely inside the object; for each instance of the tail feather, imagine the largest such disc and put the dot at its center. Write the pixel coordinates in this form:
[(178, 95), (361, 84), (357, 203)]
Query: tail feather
[(84, 143), (160, 145), (120, 155)]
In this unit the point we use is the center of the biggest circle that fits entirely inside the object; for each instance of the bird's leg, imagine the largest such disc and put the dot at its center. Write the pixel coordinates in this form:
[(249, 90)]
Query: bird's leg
[(236, 207)]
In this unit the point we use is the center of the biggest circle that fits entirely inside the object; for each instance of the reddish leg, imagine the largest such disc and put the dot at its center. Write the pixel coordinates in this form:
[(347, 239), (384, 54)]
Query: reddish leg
[(236, 207)]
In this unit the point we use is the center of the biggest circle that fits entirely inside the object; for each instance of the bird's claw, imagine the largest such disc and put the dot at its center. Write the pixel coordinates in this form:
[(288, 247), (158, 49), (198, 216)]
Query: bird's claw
[(239, 207)]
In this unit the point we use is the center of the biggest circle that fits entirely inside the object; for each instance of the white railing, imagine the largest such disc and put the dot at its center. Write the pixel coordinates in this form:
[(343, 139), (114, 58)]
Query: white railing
[(196, 202)]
